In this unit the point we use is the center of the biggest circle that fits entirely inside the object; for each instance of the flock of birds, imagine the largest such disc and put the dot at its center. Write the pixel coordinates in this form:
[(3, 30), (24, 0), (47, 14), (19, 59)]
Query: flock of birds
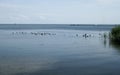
[(33, 33), (85, 35)]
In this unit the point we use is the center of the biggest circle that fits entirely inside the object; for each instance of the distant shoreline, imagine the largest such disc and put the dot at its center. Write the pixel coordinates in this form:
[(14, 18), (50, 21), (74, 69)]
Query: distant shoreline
[(58, 24), (98, 27)]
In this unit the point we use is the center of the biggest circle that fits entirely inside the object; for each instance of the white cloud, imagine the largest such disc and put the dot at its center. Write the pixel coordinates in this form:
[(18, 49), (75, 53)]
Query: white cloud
[(15, 19), (18, 17), (23, 17), (42, 17), (108, 2), (7, 5)]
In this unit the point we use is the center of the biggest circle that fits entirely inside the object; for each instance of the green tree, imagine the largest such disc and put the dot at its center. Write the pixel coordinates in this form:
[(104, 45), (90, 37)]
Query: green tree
[(115, 34)]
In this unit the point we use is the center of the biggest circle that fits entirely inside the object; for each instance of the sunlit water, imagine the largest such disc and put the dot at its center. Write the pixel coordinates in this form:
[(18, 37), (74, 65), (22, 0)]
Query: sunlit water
[(57, 52)]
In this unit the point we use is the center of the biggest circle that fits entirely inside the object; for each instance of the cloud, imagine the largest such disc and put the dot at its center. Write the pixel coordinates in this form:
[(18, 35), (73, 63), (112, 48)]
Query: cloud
[(42, 17), (108, 2), (61, 11), (18, 17), (8, 5)]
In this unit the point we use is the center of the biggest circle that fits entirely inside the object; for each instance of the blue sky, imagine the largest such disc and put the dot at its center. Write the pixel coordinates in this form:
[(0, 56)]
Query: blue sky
[(60, 11)]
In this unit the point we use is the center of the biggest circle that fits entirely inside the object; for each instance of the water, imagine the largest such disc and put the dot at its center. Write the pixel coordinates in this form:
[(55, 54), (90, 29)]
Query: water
[(57, 51), (57, 26)]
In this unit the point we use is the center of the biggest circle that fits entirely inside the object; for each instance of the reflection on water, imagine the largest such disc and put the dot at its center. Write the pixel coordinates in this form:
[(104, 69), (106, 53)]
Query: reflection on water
[(114, 45), (57, 52)]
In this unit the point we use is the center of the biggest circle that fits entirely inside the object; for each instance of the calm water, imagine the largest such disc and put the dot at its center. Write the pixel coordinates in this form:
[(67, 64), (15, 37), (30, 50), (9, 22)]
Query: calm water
[(57, 52)]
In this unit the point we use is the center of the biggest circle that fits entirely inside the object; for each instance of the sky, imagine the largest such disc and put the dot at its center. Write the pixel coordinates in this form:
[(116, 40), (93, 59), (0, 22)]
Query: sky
[(60, 11)]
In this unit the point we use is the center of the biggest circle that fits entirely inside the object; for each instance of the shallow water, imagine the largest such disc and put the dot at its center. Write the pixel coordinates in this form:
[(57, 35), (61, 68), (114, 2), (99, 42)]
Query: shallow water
[(57, 52)]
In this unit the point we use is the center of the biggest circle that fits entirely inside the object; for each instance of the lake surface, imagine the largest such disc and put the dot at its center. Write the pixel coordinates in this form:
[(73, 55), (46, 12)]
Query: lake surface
[(57, 52)]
